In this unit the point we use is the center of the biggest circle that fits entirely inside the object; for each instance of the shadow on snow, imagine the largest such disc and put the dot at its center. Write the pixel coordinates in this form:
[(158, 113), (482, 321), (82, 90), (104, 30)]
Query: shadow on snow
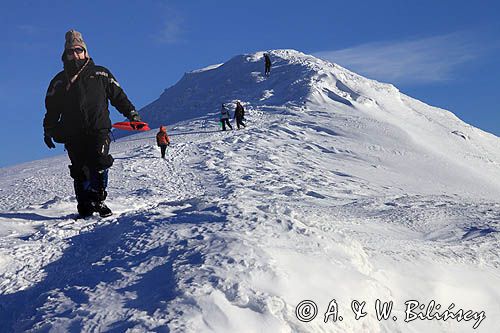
[(97, 258)]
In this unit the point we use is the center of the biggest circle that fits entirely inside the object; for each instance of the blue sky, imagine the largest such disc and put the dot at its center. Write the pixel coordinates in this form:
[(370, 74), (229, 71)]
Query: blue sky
[(444, 53)]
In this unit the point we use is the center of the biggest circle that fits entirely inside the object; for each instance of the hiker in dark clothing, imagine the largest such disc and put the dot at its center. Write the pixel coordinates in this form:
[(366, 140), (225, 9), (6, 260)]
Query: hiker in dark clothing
[(268, 64), (162, 140), (239, 115), (78, 116), (224, 117)]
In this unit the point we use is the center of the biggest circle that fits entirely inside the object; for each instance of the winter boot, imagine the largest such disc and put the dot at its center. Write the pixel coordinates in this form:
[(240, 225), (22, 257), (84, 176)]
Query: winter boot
[(98, 203), (97, 193), (81, 185), (85, 209), (103, 210)]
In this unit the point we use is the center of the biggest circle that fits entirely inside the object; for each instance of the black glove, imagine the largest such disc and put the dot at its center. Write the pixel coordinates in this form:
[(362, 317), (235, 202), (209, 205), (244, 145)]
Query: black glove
[(134, 116), (48, 141)]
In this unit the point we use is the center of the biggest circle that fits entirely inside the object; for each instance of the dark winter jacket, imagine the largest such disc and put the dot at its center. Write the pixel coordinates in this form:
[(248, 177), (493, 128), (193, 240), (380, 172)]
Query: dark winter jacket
[(162, 138), (267, 60), (82, 108), (239, 112)]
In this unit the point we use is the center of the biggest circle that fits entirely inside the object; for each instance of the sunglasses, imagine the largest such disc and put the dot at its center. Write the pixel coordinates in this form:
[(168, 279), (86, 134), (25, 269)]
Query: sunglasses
[(77, 50)]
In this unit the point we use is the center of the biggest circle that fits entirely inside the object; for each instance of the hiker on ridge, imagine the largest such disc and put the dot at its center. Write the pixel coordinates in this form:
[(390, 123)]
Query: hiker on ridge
[(267, 61)]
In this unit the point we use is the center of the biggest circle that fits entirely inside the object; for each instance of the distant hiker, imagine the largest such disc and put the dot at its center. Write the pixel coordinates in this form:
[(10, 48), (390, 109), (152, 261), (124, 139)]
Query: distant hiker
[(162, 140), (78, 116), (239, 115), (268, 64), (224, 117)]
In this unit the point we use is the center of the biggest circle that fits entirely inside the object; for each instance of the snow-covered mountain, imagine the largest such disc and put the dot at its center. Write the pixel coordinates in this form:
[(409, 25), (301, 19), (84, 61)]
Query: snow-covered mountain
[(340, 188), (389, 128)]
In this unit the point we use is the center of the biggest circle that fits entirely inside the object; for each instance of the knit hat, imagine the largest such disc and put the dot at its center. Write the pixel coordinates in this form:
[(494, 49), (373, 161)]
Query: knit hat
[(75, 38)]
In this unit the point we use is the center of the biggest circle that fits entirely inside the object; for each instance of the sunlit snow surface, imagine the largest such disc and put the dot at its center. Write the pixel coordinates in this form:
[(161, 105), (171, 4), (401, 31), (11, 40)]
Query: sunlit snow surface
[(339, 188)]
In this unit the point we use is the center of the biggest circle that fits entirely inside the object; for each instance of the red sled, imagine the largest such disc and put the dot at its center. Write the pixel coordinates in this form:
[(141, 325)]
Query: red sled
[(132, 126)]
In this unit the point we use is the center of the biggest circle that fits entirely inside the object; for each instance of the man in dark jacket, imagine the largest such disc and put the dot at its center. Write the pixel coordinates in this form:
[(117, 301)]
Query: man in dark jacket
[(239, 115), (78, 116), (267, 61)]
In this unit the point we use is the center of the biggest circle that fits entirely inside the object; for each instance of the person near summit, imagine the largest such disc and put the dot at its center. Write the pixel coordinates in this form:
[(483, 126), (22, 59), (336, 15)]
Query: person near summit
[(239, 115), (224, 117), (267, 61), (162, 140), (77, 115)]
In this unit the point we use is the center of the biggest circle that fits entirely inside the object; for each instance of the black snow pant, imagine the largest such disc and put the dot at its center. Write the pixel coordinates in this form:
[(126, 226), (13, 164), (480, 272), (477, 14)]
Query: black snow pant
[(163, 148), (239, 121), (224, 123), (90, 160), (267, 70)]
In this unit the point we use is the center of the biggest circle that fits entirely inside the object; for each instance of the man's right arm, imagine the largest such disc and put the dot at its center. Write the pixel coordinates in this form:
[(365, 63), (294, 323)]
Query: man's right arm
[(54, 107), (53, 104)]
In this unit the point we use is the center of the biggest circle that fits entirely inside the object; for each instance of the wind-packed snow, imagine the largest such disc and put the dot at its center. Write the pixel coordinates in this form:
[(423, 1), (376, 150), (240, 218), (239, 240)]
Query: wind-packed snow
[(340, 188)]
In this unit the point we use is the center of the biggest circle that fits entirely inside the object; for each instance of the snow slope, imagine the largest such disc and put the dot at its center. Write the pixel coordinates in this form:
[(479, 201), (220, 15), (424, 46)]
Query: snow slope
[(340, 188)]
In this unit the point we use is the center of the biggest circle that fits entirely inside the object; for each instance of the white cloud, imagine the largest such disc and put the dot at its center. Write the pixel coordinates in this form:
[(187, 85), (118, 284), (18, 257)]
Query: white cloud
[(171, 30), (432, 59)]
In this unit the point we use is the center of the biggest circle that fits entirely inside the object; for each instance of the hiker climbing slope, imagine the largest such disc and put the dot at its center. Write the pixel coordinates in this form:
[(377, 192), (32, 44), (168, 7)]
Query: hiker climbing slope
[(224, 117), (162, 140), (239, 115)]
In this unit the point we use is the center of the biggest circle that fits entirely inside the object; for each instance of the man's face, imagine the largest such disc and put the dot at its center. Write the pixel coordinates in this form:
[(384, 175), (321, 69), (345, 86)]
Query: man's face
[(76, 52)]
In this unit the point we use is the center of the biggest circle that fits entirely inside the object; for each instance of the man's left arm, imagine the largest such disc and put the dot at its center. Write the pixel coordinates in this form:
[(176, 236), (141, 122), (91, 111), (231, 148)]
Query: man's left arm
[(119, 99)]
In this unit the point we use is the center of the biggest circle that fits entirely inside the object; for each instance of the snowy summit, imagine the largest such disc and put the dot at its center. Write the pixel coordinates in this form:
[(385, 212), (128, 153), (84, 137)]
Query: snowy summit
[(341, 195)]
